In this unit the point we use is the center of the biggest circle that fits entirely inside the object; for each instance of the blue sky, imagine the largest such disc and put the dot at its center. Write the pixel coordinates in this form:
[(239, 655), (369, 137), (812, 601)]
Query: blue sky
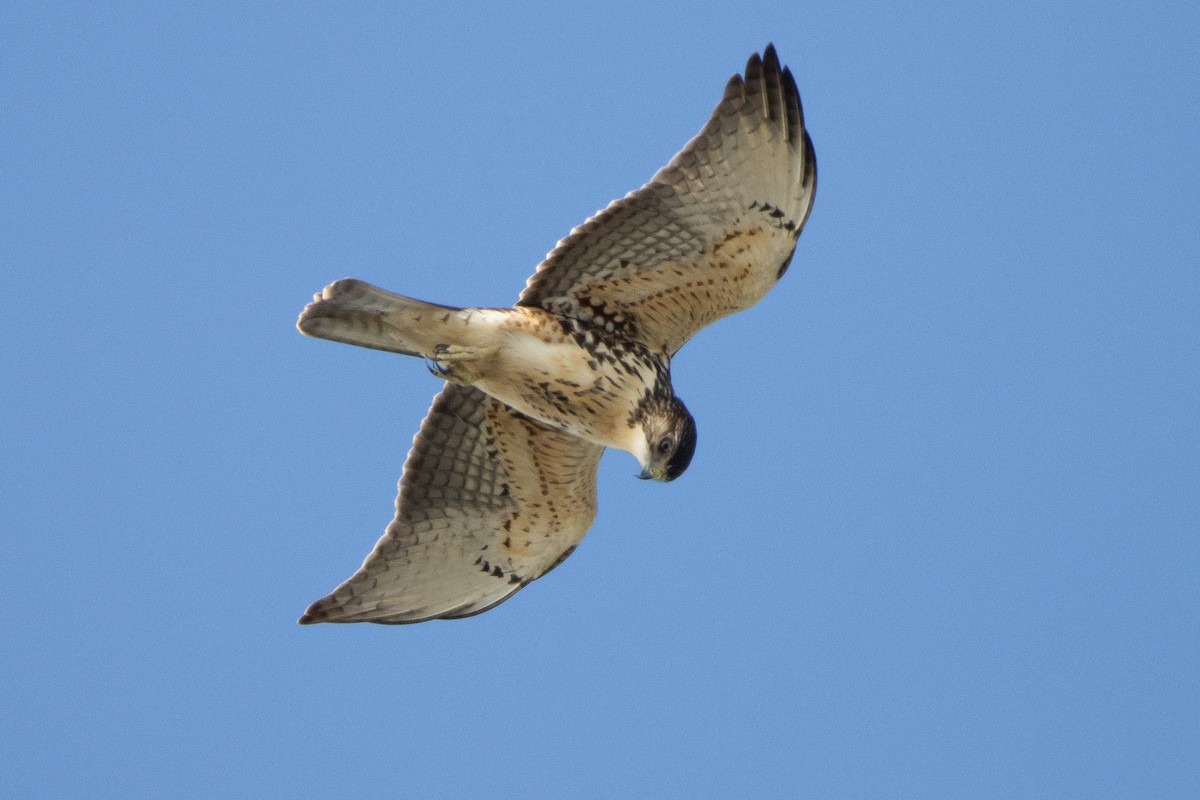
[(939, 538)]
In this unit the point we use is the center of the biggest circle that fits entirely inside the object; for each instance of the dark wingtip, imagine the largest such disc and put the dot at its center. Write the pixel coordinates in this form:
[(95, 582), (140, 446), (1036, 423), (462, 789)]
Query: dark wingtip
[(770, 57), (313, 614), (734, 87), (754, 68)]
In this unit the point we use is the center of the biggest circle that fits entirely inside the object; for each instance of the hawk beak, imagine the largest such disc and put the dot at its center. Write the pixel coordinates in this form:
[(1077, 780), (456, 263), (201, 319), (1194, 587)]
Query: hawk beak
[(648, 474)]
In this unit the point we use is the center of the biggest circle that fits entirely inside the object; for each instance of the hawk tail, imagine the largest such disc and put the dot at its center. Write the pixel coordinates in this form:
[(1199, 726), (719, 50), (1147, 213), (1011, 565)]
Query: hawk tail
[(358, 313)]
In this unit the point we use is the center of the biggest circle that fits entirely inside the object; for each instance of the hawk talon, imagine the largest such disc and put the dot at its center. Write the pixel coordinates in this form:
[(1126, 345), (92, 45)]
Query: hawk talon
[(454, 362)]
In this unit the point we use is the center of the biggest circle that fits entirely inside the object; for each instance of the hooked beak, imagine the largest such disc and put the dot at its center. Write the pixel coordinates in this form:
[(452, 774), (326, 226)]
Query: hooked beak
[(647, 474)]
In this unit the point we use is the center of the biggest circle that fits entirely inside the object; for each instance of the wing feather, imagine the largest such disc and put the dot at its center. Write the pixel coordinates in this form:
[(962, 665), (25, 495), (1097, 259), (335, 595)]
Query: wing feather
[(489, 500), (708, 236)]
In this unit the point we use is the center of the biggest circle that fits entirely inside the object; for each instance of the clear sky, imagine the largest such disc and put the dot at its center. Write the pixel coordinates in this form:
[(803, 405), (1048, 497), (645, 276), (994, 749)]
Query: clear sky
[(939, 538)]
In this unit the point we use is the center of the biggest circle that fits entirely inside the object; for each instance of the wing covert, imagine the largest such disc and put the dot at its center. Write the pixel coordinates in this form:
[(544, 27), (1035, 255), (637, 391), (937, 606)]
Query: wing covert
[(708, 236)]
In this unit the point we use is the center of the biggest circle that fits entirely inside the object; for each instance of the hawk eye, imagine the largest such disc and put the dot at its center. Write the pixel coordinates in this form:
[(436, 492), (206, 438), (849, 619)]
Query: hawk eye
[(664, 444)]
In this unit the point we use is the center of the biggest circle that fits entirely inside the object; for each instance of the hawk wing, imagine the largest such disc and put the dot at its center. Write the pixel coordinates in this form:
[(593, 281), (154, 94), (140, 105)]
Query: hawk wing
[(489, 500), (709, 235)]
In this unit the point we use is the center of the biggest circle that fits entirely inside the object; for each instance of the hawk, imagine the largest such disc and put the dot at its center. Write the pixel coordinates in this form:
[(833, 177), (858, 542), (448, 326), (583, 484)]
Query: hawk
[(500, 484)]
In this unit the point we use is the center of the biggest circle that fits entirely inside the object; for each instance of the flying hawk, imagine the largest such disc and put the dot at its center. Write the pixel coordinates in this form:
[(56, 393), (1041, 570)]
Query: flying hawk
[(500, 485)]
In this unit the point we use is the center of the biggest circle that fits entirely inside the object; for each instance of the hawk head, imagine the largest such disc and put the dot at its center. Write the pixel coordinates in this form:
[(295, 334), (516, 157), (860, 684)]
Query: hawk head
[(669, 440)]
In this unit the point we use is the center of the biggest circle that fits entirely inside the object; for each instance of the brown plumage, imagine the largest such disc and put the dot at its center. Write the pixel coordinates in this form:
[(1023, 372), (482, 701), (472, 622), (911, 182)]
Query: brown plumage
[(500, 485)]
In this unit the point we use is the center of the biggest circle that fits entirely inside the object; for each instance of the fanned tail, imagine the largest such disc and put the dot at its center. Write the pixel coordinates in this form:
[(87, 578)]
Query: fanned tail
[(355, 312)]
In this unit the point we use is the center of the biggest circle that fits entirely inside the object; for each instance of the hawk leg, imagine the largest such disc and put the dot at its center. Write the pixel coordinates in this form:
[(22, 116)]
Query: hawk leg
[(461, 363)]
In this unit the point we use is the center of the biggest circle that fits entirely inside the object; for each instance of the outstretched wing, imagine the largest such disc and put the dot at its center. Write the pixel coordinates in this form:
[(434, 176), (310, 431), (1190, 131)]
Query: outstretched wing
[(489, 500), (709, 235)]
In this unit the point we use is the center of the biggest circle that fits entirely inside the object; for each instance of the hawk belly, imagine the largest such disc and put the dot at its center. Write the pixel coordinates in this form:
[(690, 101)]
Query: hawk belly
[(573, 377)]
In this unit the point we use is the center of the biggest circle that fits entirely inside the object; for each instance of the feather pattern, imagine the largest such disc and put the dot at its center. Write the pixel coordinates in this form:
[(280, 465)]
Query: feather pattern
[(492, 498), (489, 500), (709, 235)]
